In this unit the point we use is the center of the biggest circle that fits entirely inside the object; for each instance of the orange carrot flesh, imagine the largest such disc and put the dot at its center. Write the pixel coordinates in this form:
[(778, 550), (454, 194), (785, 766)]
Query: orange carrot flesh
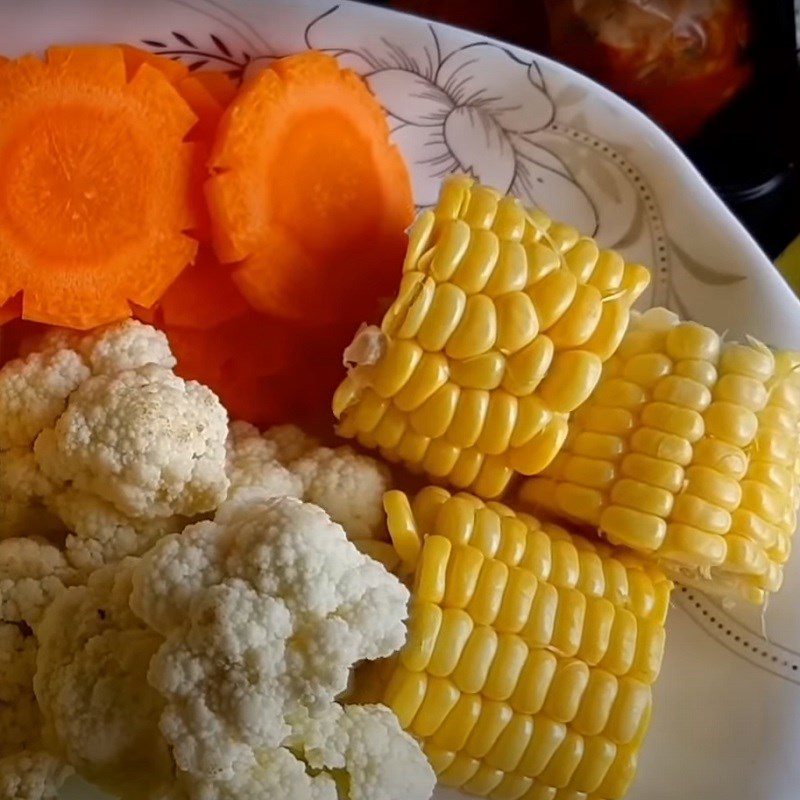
[(217, 84), (203, 296), (94, 185), (308, 193), (11, 309)]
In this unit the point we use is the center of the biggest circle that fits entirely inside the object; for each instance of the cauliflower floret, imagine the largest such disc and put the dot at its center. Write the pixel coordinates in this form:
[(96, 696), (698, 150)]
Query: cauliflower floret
[(23, 488), (147, 441), (271, 606), (26, 771), (125, 345), (32, 573), (99, 712), (34, 392), (349, 486), (290, 442), (252, 462), (381, 760), (32, 776), (99, 534)]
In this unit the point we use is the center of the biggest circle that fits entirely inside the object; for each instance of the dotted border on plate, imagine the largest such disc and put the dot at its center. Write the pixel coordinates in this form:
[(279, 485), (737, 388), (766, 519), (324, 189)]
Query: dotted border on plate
[(738, 638)]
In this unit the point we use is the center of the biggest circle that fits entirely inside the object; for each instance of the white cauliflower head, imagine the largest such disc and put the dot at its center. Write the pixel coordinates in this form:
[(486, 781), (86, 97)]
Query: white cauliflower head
[(145, 440), (264, 612), (381, 761), (34, 392), (24, 489), (125, 345), (349, 486), (99, 712), (290, 441), (253, 462), (27, 772)]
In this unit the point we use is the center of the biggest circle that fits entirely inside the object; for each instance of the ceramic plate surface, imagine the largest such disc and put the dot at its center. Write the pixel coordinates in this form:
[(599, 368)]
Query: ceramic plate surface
[(726, 724)]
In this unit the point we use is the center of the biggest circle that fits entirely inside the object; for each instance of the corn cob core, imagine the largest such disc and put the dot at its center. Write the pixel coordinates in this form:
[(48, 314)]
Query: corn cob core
[(531, 654), (499, 330), (687, 450)]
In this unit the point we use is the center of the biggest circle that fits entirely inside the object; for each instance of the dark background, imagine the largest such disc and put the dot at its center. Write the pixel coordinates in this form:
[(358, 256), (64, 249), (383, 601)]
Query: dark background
[(749, 152)]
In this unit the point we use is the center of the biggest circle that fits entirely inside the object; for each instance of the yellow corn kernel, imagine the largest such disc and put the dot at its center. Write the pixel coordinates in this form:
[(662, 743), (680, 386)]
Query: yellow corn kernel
[(619, 393), (476, 660), (749, 361), (517, 602), (434, 415), (412, 447), (597, 630), (654, 471), (591, 580), (631, 706), (714, 486), (510, 273), (509, 221), (501, 416), (616, 581), (692, 341), (463, 571), (598, 445), (534, 682), (552, 295), (598, 756), (741, 390), (453, 733), (517, 323), (504, 673), (647, 369), (562, 236), (622, 644), (488, 597), (596, 703), (479, 372), (641, 593), (493, 720), (608, 271), (632, 528), (468, 419), (478, 262), (568, 627), (726, 458), (369, 411), (440, 699), (538, 452), (483, 781), (642, 497), (547, 737), (572, 377), (460, 770), (681, 391), (510, 745), (679, 421), (539, 628), (392, 372), (419, 235), (732, 423), (566, 690), (532, 416), (467, 468), (481, 207), (440, 458), (430, 374), (402, 526), (565, 760), (580, 502), (699, 513), (476, 331), (405, 693), (610, 329), (513, 540), (616, 421), (697, 370), (692, 546), (404, 317), (424, 625), (454, 632), (525, 369), (620, 775), (382, 552), (486, 532), (763, 500), (494, 475), (451, 246), (440, 759), (579, 321), (432, 569), (581, 258), (426, 505)]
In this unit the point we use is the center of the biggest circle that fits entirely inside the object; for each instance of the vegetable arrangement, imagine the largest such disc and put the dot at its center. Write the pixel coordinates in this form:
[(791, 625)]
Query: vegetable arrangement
[(198, 603)]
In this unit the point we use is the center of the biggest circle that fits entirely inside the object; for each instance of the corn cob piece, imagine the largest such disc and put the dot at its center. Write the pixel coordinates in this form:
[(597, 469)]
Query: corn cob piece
[(499, 330), (687, 450), (531, 654)]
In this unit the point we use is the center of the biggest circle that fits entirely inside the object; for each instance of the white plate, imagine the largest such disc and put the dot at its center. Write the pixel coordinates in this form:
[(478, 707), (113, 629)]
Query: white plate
[(727, 717)]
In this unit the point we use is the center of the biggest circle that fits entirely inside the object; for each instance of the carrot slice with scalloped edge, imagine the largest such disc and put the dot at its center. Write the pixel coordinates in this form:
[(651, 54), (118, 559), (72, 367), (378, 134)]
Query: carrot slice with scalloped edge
[(218, 84), (11, 309), (134, 57), (309, 194), (203, 296), (94, 185)]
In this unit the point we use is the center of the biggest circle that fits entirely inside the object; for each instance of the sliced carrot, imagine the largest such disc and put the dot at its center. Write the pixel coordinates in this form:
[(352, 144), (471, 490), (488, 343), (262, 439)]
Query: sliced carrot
[(218, 84), (308, 194), (11, 309), (174, 71), (203, 296), (94, 185)]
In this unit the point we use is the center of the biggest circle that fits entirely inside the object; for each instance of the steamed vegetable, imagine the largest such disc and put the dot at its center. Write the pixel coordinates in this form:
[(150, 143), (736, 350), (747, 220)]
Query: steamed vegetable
[(96, 196)]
